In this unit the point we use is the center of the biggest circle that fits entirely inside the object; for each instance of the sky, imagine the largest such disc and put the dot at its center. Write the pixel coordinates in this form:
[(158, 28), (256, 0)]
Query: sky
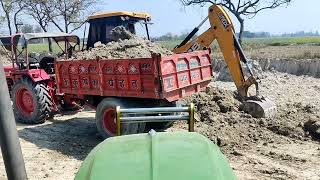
[(171, 16)]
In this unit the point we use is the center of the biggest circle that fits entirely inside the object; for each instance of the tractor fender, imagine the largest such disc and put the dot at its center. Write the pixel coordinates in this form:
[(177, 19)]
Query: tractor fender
[(37, 75)]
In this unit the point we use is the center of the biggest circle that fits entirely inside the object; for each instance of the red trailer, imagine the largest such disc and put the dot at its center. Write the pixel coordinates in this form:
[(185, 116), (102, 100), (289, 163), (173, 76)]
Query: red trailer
[(144, 82), (43, 84), (167, 78)]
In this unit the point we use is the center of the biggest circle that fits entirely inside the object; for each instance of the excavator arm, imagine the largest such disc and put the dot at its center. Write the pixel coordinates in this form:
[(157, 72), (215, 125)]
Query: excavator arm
[(222, 30)]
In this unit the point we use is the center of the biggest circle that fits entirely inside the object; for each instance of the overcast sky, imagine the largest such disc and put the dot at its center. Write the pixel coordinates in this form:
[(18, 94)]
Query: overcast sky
[(170, 16)]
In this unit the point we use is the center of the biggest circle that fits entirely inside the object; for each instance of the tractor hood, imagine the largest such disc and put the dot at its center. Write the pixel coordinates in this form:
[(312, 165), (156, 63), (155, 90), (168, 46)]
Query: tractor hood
[(161, 156)]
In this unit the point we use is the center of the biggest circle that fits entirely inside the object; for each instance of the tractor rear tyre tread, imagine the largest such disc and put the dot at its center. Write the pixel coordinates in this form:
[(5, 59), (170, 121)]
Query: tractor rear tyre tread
[(41, 98)]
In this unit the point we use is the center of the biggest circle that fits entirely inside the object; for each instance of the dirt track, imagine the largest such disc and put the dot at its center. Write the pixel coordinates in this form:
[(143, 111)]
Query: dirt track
[(257, 149)]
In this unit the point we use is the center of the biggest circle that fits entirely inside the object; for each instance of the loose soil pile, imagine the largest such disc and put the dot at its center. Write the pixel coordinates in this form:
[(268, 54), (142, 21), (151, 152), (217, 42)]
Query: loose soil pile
[(221, 70), (310, 67), (125, 45), (4, 56), (221, 119), (284, 147)]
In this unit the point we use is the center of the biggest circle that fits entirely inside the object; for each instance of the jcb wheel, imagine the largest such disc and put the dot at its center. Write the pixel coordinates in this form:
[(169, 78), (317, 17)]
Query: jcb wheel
[(106, 119), (32, 103)]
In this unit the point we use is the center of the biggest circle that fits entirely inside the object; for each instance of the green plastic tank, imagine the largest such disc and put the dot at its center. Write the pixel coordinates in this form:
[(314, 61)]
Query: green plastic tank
[(156, 156)]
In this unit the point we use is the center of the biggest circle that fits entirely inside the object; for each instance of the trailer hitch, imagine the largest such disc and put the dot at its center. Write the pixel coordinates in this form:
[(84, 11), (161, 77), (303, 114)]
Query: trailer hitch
[(154, 115)]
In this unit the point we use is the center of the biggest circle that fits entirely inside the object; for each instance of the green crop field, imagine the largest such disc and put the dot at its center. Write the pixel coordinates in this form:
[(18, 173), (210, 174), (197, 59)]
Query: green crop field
[(255, 48), (281, 41), (44, 47), (261, 42), (169, 44), (275, 47), (278, 41)]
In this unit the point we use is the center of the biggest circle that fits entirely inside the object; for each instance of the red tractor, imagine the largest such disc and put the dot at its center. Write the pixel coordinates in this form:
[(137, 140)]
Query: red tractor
[(31, 76), (44, 83)]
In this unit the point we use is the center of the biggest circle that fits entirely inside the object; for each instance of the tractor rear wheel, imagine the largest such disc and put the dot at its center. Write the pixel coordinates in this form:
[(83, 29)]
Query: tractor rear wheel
[(32, 103), (106, 118)]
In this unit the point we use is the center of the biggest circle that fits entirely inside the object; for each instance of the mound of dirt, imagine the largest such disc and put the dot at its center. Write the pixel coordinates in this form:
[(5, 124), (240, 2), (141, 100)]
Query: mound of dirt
[(120, 32), (126, 45), (222, 71), (220, 117), (310, 67), (4, 56)]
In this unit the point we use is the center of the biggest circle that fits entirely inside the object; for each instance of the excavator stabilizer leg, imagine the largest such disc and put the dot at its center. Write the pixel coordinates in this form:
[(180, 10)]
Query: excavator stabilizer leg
[(262, 108)]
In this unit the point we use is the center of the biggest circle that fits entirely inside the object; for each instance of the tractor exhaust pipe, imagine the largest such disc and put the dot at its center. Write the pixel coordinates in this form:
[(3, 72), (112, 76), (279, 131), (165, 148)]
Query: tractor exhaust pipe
[(9, 140)]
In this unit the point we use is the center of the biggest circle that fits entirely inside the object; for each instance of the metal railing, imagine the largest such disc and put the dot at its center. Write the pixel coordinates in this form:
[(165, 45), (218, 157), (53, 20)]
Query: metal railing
[(154, 115)]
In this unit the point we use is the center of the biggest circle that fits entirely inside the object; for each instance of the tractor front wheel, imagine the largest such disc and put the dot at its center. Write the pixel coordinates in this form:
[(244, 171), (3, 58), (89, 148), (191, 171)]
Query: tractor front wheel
[(32, 103)]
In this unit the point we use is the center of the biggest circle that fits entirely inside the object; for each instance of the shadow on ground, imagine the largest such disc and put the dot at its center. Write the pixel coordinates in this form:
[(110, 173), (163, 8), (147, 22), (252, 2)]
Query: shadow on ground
[(75, 137)]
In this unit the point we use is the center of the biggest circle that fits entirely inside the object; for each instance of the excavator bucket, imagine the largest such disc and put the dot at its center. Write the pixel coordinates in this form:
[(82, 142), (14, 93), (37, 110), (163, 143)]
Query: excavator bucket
[(261, 108)]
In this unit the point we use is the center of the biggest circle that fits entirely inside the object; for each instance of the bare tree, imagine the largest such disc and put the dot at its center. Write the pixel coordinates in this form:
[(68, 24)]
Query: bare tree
[(19, 7), (66, 15), (241, 8), (37, 10), (2, 18), (70, 13), (7, 7), (11, 9)]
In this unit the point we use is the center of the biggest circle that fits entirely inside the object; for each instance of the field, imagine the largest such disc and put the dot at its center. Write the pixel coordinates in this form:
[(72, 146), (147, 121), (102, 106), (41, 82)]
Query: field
[(255, 48), (268, 48), (283, 41), (263, 42)]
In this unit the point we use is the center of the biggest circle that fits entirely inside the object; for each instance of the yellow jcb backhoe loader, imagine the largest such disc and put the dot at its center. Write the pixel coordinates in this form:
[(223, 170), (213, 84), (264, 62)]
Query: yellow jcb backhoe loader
[(222, 30)]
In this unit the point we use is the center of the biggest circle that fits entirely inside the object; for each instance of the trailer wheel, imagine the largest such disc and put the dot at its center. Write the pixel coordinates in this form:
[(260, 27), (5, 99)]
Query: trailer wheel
[(32, 103), (106, 118)]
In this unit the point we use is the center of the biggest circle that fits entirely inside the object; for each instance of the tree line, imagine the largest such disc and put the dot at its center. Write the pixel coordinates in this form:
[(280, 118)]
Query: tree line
[(171, 37), (69, 15), (241, 8), (65, 15), (246, 34)]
